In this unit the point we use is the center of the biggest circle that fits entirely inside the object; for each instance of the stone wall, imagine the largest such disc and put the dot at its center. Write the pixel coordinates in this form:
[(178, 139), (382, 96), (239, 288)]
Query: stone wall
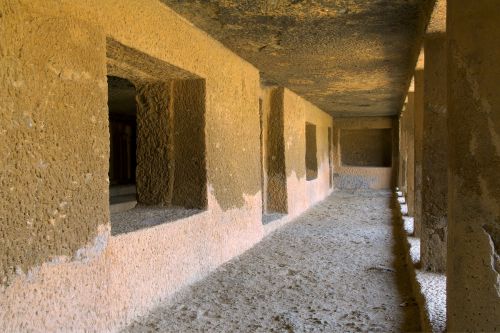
[(434, 152), (303, 193), (357, 133), (370, 147), (473, 119), (60, 268), (300, 193)]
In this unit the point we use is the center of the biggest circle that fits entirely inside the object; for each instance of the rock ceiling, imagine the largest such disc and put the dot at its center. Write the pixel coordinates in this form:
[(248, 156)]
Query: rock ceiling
[(349, 57)]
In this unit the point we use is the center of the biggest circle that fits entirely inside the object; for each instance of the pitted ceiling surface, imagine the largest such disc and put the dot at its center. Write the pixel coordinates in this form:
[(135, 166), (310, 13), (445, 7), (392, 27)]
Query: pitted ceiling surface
[(349, 57)]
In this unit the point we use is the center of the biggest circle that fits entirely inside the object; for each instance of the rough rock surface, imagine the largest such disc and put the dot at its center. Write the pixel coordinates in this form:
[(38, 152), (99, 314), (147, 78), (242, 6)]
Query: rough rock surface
[(348, 57), (337, 268)]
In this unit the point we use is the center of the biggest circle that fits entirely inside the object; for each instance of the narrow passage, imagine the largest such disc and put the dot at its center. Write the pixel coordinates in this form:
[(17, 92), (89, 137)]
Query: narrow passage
[(337, 268)]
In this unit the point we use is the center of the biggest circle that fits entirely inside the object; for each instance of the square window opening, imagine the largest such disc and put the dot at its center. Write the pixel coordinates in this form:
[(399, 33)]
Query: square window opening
[(157, 167)]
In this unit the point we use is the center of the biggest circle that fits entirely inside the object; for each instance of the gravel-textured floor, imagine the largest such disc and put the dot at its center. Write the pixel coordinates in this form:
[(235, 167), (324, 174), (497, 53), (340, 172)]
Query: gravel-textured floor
[(337, 268)]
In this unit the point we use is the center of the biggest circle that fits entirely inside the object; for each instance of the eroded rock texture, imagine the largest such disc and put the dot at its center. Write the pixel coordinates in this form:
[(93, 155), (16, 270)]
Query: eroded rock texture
[(349, 57)]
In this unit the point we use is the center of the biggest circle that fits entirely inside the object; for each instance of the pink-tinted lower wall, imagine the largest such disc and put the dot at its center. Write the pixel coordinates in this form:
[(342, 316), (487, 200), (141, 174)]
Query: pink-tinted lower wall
[(120, 277)]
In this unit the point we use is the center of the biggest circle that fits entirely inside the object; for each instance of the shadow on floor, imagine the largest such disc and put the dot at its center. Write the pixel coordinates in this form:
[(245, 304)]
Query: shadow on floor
[(409, 306)]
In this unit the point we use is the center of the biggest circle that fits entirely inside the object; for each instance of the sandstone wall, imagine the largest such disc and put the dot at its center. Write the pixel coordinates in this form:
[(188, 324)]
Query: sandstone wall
[(300, 192), (473, 119), (357, 131), (60, 268)]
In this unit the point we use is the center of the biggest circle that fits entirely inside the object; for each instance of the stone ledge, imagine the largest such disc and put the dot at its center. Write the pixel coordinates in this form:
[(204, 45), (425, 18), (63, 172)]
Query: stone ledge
[(429, 288), (142, 217)]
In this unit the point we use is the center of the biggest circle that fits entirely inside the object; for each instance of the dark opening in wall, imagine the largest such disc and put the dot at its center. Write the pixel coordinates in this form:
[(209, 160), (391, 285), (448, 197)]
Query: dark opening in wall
[(366, 147), (276, 190), (311, 152), (263, 174), (274, 180), (123, 143), (157, 140), (330, 157)]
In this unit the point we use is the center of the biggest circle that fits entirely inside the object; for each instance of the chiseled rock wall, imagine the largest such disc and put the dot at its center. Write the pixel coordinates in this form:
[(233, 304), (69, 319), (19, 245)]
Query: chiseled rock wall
[(60, 268), (473, 262), (360, 177)]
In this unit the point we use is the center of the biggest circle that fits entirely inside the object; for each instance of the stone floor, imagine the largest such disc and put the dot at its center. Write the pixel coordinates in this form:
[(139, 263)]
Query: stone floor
[(337, 268)]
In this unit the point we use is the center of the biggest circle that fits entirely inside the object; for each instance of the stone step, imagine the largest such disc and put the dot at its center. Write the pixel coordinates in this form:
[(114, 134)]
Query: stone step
[(118, 190), (122, 203)]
